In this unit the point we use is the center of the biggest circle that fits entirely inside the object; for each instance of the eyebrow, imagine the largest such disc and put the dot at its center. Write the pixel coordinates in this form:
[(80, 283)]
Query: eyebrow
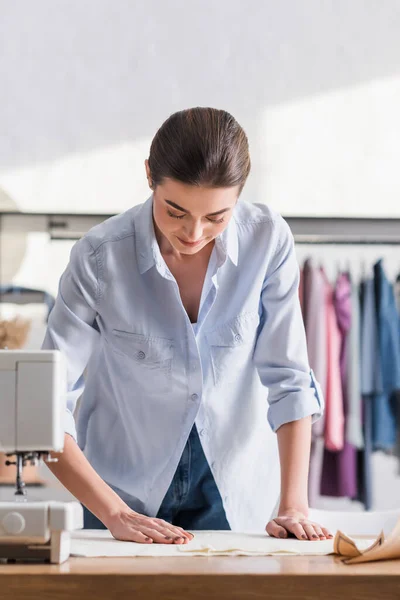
[(214, 214)]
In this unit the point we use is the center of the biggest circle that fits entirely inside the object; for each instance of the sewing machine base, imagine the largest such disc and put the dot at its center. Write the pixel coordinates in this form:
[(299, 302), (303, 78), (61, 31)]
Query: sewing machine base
[(38, 530), (56, 551)]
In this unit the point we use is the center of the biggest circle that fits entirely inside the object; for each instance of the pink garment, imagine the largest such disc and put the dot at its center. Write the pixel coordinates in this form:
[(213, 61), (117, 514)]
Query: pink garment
[(339, 471), (334, 412), (315, 325), (314, 314)]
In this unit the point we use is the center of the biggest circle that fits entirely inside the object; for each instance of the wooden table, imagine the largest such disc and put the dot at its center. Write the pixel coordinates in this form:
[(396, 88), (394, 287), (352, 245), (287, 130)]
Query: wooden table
[(222, 577)]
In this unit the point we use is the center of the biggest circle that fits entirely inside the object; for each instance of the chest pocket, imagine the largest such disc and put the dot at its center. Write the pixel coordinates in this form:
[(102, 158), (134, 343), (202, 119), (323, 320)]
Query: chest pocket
[(231, 347), (149, 359)]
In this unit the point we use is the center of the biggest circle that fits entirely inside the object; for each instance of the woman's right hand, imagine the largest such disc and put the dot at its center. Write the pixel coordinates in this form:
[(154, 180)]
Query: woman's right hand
[(130, 526)]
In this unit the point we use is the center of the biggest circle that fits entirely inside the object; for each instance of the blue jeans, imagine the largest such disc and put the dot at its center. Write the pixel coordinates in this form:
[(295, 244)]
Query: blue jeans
[(192, 500)]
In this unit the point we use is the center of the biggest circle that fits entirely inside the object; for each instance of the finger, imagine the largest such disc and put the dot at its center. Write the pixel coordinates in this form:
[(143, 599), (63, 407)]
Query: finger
[(297, 529), (157, 536), (275, 530), (326, 532), (135, 536), (166, 529), (322, 532), (319, 531), (177, 531), (173, 529), (311, 531), (187, 534)]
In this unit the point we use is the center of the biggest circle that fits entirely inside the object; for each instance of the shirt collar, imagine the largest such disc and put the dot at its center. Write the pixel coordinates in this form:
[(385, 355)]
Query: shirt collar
[(147, 248), (227, 242)]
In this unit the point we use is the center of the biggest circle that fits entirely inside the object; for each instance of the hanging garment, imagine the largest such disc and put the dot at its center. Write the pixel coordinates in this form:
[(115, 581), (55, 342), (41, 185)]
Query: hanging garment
[(383, 411), (353, 425), (315, 326), (334, 415), (370, 381), (397, 293), (314, 314), (339, 471), (397, 394), (396, 450)]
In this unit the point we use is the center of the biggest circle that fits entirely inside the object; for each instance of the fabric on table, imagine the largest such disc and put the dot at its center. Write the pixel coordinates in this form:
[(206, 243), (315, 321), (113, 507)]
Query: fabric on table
[(101, 543)]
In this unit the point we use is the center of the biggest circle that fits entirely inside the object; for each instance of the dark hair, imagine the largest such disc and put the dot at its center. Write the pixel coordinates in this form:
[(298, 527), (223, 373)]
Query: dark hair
[(200, 146)]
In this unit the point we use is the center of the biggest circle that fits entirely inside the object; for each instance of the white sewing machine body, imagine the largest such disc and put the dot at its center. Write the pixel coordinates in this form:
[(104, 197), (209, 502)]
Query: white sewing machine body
[(33, 386), (32, 403)]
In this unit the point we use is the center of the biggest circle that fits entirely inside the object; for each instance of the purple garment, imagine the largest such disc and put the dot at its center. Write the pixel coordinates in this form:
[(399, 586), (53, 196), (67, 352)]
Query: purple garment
[(339, 470)]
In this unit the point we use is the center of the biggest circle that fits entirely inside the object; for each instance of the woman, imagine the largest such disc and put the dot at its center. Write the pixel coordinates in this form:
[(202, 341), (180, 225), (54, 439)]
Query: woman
[(185, 312)]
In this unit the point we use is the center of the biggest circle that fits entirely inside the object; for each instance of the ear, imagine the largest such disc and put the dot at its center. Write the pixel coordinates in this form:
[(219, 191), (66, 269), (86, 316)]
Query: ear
[(148, 174)]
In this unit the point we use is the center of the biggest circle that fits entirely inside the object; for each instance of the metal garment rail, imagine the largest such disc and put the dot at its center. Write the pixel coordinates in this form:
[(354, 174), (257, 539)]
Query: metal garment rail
[(346, 230), (306, 230), (312, 230)]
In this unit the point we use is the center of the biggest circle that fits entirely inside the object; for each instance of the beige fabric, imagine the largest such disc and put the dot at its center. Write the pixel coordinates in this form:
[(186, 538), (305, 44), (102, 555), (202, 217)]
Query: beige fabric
[(205, 543)]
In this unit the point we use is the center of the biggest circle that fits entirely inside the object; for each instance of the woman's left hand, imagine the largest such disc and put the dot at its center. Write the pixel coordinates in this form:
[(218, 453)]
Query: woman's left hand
[(292, 523)]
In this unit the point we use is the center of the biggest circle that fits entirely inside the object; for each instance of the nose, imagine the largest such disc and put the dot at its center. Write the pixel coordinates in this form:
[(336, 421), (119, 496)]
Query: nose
[(194, 231)]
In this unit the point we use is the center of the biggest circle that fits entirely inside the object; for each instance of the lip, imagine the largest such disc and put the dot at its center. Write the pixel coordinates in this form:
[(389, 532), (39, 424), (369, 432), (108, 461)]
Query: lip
[(190, 244)]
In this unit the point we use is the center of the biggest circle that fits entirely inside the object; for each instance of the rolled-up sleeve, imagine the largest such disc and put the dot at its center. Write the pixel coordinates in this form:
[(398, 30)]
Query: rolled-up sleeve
[(70, 327), (280, 353)]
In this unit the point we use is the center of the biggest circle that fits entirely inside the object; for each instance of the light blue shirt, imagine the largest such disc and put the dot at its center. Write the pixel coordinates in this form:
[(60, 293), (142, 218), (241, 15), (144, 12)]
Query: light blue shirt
[(240, 373)]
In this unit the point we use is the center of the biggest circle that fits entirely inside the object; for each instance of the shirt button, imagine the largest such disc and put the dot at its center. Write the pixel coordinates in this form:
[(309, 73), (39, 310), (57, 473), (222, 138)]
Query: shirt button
[(238, 338), (141, 355), (202, 432), (194, 397)]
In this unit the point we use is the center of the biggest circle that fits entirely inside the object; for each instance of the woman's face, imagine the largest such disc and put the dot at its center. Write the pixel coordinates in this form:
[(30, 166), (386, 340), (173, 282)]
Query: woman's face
[(190, 217)]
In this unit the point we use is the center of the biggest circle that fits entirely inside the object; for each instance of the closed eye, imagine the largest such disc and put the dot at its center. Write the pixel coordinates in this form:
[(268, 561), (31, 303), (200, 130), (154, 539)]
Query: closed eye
[(171, 214), (175, 216)]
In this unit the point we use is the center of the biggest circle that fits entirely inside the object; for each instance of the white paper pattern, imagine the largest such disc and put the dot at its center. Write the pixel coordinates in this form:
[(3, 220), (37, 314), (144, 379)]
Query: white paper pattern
[(205, 543)]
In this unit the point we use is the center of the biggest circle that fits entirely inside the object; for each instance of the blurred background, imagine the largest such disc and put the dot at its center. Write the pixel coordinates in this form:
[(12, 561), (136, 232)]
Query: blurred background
[(316, 86)]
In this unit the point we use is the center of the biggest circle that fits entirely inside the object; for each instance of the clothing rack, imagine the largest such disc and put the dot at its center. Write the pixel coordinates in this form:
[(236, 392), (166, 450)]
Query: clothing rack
[(306, 230), (345, 230), (60, 226), (22, 296)]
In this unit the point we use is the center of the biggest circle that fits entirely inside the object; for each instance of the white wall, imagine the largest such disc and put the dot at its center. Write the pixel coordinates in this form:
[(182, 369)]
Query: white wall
[(315, 83), (86, 83)]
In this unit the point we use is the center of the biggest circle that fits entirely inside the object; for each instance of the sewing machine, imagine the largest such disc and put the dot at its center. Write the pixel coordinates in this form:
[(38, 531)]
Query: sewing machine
[(32, 404)]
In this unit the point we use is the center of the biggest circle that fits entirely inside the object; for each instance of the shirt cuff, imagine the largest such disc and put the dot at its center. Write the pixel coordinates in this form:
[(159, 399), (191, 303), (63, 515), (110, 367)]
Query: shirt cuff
[(297, 405), (69, 424)]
